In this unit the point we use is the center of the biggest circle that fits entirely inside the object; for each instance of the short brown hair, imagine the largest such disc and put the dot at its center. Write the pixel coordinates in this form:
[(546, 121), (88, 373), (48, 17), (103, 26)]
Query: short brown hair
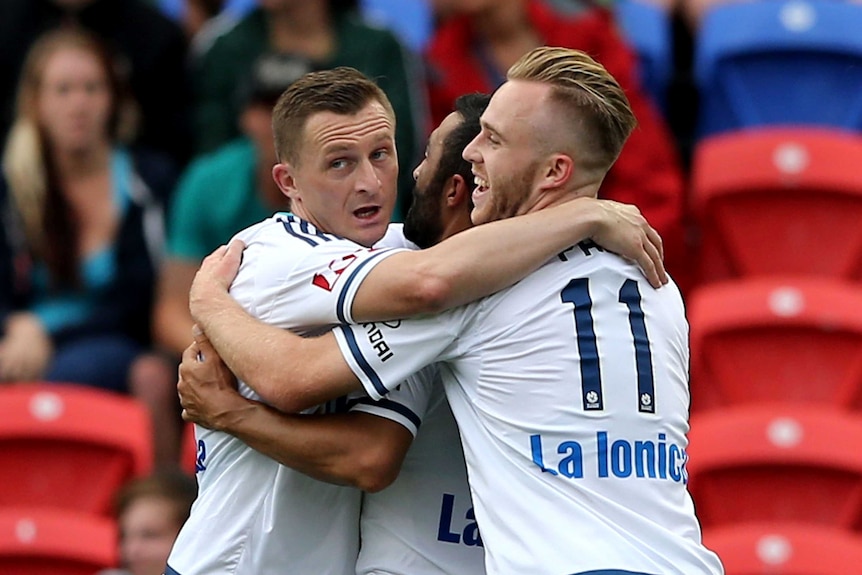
[(585, 87), (174, 486), (342, 90)]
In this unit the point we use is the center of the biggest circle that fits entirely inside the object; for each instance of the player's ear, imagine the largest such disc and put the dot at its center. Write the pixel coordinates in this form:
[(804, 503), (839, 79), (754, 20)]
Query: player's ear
[(558, 169), (456, 191), (282, 173)]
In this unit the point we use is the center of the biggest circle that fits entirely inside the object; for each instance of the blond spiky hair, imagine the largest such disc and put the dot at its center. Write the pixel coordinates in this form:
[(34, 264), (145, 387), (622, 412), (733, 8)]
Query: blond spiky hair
[(583, 87)]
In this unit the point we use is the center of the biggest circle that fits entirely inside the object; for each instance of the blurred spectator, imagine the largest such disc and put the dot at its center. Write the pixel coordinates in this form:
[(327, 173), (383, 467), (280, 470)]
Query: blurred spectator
[(330, 34), (82, 223), (203, 21), (222, 193), (150, 513), (479, 39), (150, 46)]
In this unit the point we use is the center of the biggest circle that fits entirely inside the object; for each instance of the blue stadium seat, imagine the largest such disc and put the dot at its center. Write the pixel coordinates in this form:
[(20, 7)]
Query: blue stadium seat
[(647, 27), (411, 20), (780, 62), (175, 9)]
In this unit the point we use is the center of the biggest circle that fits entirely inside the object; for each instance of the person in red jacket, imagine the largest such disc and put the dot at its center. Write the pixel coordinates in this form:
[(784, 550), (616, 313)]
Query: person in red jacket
[(476, 42)]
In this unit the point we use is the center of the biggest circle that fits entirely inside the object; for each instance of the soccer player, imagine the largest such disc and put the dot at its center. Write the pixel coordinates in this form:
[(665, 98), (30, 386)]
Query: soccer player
[(569, 388), (334, 134), (421, 524)]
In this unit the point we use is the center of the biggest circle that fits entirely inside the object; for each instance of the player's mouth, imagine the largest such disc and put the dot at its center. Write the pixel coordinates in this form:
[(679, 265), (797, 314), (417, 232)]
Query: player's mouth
[(482, 187), (366, 212)]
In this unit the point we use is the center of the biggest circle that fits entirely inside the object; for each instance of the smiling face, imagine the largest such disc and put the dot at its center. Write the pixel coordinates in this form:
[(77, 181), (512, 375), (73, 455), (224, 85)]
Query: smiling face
[(74, 101), (344, 179), (507, 154)]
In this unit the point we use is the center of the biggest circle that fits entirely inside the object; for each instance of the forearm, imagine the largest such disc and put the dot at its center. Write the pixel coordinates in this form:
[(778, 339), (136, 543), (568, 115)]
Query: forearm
[(172, 321), (258, 353), (331, 448), (254, 351), (473, 263), (172, 327)]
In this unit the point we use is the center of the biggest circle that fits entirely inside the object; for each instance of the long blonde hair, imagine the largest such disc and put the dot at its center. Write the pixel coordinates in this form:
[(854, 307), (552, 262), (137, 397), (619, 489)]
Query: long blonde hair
[(27, 160)]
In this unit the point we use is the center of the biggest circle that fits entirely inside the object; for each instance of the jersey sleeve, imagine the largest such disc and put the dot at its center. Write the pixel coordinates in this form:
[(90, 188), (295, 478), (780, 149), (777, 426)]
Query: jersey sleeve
[(383, 354), (294, 277), (406, 404)]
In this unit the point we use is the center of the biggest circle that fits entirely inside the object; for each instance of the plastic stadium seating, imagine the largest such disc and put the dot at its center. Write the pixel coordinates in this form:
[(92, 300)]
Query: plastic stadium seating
[(779, 62), (69, 447), (55, 542), (411, 20), (793, 339), (785, 549), (647, 27), (779, 201), (776, 462)]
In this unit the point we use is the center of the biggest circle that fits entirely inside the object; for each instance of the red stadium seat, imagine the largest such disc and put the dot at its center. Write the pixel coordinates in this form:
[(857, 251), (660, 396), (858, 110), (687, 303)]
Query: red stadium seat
[(779, 201), (776, 462), (785, 549), (771, 339), (55, 542), (71, 447)]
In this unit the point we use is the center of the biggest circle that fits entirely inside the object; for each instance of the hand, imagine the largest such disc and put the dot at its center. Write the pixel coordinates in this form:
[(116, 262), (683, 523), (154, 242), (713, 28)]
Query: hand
[(206, 387), (624, 231), (215, 275), (25, 350)]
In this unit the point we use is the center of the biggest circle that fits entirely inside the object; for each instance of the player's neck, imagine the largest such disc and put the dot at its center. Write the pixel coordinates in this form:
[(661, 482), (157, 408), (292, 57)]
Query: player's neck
[(561, 195)]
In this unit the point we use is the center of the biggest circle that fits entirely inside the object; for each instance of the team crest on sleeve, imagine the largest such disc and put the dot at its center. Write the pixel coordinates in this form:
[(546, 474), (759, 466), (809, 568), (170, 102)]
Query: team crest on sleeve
[(329, 277)]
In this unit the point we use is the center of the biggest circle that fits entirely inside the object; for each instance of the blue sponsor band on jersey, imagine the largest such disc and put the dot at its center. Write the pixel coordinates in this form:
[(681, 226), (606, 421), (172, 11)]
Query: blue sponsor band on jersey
[(351, 278), (363, 364), (621, 458), (305, 232), (612, 572), (392, 406)]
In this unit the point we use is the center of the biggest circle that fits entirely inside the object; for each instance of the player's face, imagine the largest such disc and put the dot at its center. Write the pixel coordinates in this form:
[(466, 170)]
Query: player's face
[(345, 180), (74, 103), (423, 224), (504, 155)]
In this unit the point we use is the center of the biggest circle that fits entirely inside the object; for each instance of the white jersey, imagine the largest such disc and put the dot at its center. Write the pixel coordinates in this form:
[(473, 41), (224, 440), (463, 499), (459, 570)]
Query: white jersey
[(570, 390), (423, 523), (252, 515)]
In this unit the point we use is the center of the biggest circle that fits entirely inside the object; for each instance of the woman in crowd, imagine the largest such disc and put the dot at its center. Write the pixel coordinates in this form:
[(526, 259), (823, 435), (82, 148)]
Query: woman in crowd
[(82, 222)]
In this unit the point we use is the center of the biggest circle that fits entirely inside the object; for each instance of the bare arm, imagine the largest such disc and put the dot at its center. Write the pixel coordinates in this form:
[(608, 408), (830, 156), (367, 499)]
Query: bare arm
[(358, 449), (464, 267), (487, 258), (25, 348), (172, 321)]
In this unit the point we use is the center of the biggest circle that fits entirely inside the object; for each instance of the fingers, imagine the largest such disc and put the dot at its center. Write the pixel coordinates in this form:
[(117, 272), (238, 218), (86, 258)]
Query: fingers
[(653, 267), (191, 353), (235, 248), (655, 239)]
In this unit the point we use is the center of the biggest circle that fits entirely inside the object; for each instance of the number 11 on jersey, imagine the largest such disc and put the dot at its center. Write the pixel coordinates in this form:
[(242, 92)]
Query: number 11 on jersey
[(577, 293)]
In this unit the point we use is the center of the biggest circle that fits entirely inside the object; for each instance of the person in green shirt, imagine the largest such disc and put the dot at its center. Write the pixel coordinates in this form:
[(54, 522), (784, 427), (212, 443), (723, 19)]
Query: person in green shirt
[(329, 33), (221, 193)]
